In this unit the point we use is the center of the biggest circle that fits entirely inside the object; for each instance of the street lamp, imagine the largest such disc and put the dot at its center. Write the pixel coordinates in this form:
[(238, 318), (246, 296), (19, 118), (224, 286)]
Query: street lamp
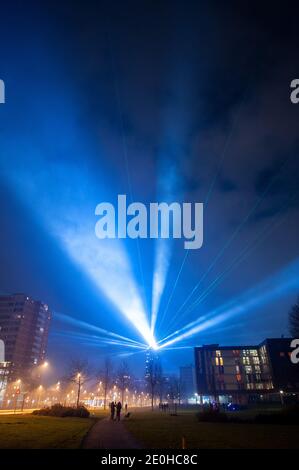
[(281, 392)]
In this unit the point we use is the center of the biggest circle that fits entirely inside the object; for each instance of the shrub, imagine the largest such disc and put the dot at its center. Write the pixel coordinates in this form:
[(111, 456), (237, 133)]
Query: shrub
[(212, 416), (61, 411)]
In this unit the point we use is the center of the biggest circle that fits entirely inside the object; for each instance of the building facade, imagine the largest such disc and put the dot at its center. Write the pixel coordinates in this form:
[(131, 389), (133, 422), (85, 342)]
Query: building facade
[(240, 372), (24, 328), (187, 383)]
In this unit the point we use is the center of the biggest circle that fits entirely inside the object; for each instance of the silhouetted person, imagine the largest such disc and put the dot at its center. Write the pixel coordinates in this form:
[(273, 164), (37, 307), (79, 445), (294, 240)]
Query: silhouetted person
[(126, 407), (112, 410), (118, 410)]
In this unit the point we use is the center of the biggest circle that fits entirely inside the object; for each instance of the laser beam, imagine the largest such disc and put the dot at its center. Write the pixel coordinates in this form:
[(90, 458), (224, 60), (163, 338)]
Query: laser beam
[(266, 231), (232, 237), (275, 287)]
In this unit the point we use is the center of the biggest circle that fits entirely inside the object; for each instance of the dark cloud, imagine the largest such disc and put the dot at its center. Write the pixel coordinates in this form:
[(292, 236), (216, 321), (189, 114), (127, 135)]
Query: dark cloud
[(227, 185)]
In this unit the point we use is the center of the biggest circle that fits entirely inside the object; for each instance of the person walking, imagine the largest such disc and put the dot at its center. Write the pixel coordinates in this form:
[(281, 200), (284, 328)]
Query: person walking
[(112, 410), (118, 410)]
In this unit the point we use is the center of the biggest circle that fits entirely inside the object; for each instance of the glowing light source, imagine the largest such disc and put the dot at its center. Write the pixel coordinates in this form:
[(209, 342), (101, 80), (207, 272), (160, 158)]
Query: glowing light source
[(108, 266), (104, 261)]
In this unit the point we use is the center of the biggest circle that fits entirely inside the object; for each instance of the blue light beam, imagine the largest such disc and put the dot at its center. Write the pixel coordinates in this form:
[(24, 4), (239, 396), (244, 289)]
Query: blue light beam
[(275, 287)]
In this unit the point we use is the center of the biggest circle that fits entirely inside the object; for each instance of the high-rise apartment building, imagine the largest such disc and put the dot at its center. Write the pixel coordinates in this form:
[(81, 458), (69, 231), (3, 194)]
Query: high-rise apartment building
[(24, 328)]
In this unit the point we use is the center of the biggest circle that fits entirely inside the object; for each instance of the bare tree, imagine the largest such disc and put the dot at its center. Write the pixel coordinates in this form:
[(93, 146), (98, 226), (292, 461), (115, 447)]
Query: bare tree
[(78, 373), (106, 376), (123, 378), (294, 320), (153, 375), (174, 389)]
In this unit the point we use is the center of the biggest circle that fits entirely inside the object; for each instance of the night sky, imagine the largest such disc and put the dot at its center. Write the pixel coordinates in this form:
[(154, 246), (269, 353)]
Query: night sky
[(173, 101)]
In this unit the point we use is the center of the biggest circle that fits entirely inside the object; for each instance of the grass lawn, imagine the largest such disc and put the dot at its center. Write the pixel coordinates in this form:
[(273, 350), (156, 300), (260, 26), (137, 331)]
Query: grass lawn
[(160, 430), (42, 432)]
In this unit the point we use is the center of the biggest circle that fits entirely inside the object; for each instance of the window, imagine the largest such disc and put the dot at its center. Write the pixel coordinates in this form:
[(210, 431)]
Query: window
[(236, 353), (259, 386), (246, 352)]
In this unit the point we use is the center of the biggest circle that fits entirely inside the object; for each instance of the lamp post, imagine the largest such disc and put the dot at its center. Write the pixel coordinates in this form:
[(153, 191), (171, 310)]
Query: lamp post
[(281, 397)]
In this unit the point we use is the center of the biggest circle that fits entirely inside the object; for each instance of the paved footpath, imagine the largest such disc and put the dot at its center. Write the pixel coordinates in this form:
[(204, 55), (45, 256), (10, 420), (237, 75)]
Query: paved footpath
[(107, 434)]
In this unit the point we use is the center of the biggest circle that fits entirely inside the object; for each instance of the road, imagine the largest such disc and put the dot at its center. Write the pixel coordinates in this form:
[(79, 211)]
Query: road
[(19, 412)]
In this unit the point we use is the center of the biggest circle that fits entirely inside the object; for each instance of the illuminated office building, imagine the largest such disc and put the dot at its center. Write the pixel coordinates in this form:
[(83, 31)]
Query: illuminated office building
[(244, 373)]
